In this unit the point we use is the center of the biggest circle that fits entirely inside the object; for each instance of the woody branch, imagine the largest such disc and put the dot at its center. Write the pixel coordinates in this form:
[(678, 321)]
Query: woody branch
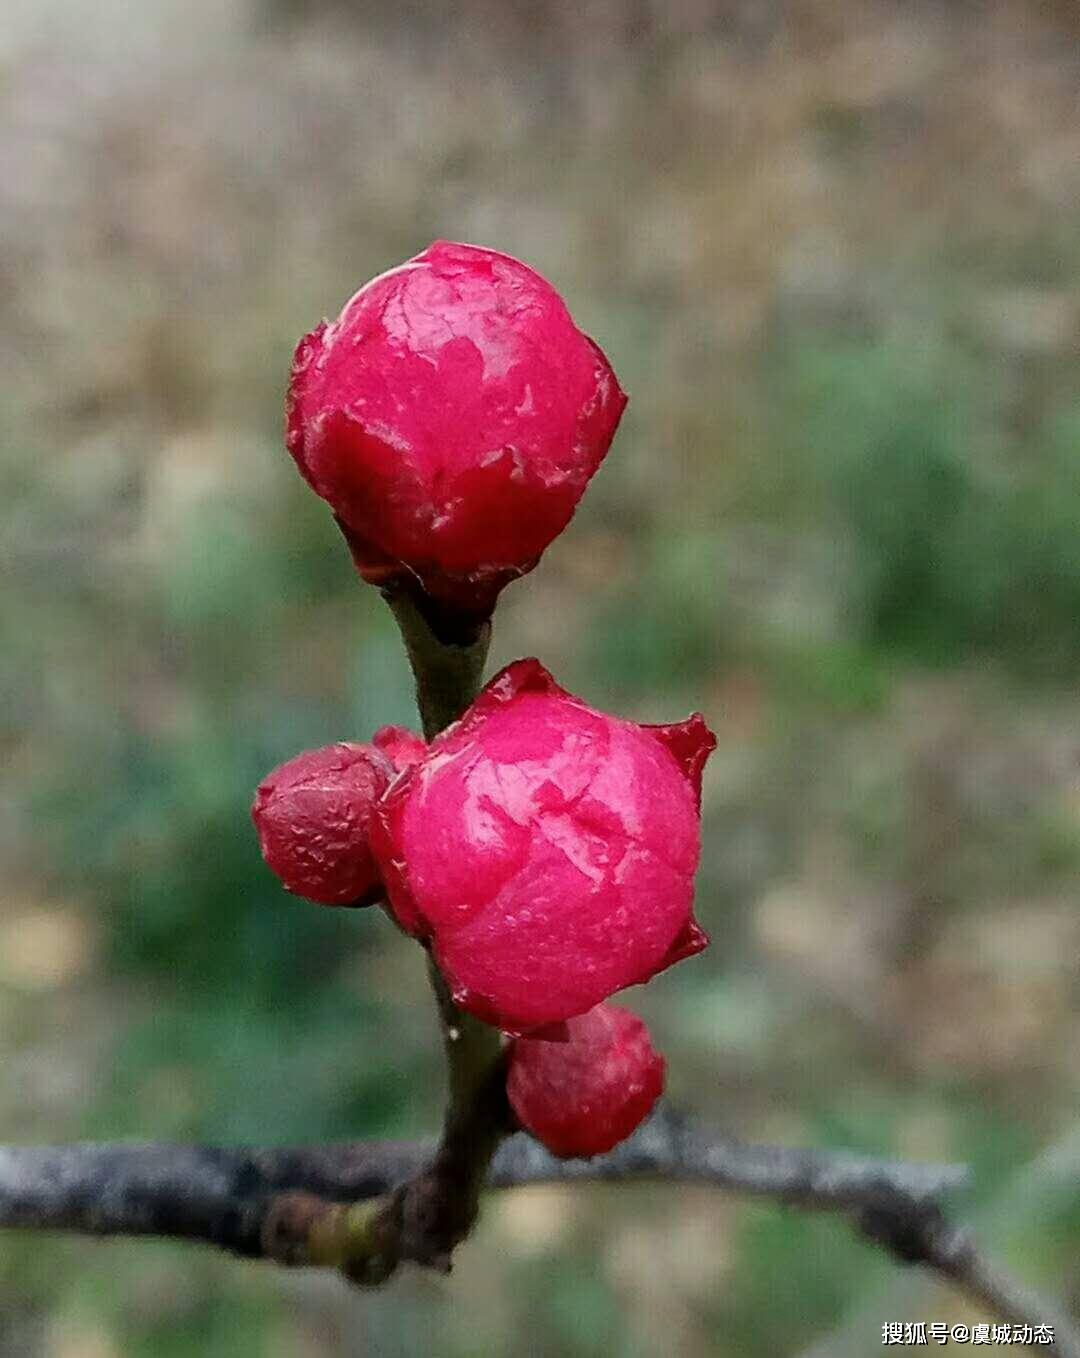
[(262, 1203)]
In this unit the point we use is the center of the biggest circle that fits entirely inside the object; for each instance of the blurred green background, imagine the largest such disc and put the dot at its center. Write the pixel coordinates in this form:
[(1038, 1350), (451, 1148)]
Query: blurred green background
[(833, 250)]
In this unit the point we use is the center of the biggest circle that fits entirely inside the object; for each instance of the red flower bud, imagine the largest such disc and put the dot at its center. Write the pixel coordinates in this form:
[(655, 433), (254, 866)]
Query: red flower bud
[(584, 1095), (547, 850), (452, 416), (313, 816), (400, 745)]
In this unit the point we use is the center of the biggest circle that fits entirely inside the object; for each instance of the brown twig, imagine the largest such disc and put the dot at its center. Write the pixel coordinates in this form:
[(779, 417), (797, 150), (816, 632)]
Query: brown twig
[(286, 1204)]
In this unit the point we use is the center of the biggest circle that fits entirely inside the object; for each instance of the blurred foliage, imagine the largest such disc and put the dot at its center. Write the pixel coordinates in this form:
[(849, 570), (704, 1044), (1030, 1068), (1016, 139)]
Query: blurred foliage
[(957, 549), (832, 250)]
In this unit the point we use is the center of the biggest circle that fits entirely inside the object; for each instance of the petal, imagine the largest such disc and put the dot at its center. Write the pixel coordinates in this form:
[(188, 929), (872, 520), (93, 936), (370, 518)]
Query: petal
[(385, 835), (401, 746), (691, 939), (305, 358), (520, 676), (517, 678), (690, 742)]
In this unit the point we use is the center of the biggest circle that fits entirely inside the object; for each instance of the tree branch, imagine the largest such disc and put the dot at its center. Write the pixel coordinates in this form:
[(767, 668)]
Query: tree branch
[(273, 1203), (221, 1196)]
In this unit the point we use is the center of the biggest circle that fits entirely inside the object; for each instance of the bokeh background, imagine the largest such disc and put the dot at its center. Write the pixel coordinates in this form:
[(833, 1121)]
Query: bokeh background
[(833, 249)]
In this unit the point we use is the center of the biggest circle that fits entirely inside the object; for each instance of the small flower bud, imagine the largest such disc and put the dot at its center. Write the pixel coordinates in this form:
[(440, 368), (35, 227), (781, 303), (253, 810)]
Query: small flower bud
[(546, 850), (583, 1095), (313, 816), (452, 417)]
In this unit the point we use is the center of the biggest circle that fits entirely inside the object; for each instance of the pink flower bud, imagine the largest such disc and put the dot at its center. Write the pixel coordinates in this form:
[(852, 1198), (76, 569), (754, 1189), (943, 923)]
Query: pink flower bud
[(400, 745), (546, 850), (584, 1095), (452, 417), (313, 816)]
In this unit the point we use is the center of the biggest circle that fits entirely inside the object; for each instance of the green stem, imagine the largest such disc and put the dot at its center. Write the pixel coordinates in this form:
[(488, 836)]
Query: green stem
[(471, 1046), (426, 1218), (448, 675)]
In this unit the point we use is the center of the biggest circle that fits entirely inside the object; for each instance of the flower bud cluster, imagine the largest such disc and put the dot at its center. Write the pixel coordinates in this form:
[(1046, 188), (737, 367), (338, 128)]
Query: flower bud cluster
[(543, 851)]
